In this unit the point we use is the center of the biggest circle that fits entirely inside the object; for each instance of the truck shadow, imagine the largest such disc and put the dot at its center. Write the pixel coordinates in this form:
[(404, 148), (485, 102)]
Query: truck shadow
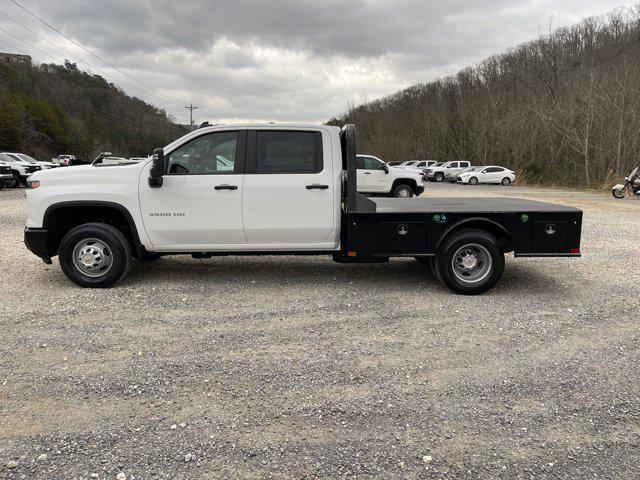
[(286, 272)]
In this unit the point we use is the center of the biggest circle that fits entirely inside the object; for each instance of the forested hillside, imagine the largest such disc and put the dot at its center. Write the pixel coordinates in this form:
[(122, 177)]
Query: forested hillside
[(562, 109), (51, 109)]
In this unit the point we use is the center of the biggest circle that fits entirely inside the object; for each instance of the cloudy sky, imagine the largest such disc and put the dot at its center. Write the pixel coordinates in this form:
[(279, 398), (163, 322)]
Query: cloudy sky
[(277, 60)]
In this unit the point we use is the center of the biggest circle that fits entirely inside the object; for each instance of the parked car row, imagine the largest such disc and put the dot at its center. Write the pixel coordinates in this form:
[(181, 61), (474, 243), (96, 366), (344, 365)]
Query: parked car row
[(17, 167)]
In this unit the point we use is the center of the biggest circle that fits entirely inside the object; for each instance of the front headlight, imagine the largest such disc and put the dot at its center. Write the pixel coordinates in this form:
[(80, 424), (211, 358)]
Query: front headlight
[(33, 184)]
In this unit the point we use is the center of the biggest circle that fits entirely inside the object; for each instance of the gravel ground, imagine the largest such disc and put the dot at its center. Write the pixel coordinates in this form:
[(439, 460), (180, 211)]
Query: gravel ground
[(299, 367)]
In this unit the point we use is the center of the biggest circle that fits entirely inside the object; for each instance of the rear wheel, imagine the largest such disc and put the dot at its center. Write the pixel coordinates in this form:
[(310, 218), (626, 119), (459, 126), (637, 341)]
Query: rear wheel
[(470, 262), (473, 181), (403, 191), (438, 177), (506, 181), (95, 255)]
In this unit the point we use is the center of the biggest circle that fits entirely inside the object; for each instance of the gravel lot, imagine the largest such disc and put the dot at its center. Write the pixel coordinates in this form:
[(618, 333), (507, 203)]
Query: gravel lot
[(299, 367)]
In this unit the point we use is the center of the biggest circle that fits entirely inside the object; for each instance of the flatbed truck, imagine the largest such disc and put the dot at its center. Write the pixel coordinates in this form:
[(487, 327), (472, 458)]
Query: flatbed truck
[(276, 190)]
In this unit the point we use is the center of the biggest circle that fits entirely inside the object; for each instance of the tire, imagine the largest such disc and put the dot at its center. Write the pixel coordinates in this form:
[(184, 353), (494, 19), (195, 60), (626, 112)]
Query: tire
[(438, 177), (506, 181), (106, 244), (473, 181), (470, 279), (618, 193), (24, 181), (14, 182), (402, 190)]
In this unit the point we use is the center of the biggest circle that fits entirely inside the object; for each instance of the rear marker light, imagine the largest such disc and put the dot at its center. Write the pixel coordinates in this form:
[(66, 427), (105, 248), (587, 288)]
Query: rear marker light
[(575, 251), (352, 254)]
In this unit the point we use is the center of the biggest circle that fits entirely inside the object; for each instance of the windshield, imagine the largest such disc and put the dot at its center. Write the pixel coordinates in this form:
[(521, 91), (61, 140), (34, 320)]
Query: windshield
[(26, 158), (6, 158)]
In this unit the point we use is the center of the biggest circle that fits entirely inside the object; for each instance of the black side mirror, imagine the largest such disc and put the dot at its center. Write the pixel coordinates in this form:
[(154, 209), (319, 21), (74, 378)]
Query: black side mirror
[(157, 168), (385, 167)]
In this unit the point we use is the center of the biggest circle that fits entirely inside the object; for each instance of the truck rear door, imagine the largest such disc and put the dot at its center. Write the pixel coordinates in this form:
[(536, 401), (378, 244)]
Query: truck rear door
[(289, 190)]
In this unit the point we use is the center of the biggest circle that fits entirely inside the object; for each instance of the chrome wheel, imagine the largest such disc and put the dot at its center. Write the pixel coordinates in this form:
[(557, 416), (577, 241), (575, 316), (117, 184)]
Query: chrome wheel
[(404, 193), (471, 263), (92, 257)]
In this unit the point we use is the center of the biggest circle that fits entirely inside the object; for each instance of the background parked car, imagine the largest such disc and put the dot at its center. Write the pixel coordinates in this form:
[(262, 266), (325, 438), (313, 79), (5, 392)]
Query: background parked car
[(6, 177), (64, 160), (377, 178), (20, 169), (489, 174), (453, 176), (26, 158), (437, 173)]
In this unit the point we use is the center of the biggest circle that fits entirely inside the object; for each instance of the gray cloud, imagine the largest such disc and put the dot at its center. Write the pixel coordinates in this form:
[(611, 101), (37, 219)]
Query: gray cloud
[(286, 60)]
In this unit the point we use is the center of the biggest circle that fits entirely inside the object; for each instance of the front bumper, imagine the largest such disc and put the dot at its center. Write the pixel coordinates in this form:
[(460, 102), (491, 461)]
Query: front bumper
[(5, 177), (36, 241)]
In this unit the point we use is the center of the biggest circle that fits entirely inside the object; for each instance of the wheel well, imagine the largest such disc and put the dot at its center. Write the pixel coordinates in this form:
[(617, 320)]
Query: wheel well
[(495, 229), (404, 181), (62, 219)]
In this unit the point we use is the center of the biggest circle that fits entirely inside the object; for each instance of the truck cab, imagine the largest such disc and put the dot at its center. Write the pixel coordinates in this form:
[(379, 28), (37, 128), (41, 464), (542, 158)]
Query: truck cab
[(280, 190), (438, 173)]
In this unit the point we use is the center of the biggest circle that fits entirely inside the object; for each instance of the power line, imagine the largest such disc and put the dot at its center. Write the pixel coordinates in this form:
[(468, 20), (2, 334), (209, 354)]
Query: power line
[(173, 100), (147, 88), (191, 108), (31, 45)]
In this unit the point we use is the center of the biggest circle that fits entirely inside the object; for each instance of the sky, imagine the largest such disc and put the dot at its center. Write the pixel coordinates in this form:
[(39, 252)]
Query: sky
[(292, 61)]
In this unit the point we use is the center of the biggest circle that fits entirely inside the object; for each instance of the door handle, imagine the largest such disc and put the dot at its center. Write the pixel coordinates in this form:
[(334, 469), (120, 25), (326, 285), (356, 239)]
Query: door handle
[(226, 187), (367, 173), (317, 186)]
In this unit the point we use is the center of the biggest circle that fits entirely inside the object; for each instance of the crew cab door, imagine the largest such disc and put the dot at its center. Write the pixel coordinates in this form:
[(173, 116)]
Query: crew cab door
[(199, 204), (289, 197), (371, 175)]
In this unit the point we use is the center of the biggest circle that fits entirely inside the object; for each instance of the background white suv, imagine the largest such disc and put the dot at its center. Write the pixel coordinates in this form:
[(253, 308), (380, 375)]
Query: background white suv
[(20, 169), (438, 173), (376, 177)]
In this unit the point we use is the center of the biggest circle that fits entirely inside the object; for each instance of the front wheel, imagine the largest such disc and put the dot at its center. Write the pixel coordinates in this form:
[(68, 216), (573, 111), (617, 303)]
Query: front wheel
[(470, 262), (95, 255), (403, 191), (618, 192), (438, 177), (473, 181)]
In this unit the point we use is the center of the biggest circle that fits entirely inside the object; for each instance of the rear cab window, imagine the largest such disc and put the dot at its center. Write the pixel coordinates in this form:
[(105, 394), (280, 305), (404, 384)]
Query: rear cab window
[(284, 152)]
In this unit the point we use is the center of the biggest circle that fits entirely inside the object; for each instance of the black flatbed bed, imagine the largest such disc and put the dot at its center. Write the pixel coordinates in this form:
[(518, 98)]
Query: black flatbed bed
[(466, 205)]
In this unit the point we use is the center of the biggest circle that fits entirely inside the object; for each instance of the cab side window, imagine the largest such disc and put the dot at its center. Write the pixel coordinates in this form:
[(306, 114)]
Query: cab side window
[(288, 152), (209, 154), (372, 164)]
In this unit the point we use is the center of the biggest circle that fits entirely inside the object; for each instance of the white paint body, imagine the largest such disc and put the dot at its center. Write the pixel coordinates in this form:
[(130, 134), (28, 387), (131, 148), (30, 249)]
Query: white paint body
[(446, 169)]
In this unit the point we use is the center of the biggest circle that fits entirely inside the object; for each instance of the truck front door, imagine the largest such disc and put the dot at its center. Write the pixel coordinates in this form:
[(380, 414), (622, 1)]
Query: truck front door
[(199, 205), (371, 175), (289, 196)]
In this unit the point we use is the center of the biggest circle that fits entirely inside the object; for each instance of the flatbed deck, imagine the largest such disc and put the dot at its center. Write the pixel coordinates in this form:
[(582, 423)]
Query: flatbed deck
[(466, 205)]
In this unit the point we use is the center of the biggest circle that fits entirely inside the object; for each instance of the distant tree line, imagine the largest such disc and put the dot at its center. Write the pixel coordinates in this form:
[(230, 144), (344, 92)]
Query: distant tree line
[(50, 109), (562, 109)]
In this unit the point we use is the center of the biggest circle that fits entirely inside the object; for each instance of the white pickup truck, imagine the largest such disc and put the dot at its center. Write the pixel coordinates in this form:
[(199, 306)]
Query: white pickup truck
[(375, 177), (291, 190)]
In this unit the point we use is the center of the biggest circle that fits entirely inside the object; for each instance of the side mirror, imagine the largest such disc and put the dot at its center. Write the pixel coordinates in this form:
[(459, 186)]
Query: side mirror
[(385, 167), (157, 168)]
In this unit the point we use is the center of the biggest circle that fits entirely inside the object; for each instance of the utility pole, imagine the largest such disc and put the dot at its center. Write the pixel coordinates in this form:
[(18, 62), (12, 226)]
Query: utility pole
[(191, 108)]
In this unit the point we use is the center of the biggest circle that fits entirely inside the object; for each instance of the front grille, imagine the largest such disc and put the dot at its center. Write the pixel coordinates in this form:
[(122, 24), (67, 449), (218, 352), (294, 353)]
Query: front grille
[(32, 168), (5, 170)]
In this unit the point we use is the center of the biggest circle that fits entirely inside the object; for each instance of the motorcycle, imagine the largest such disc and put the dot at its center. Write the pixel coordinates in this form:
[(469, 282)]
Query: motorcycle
[(631, 185)]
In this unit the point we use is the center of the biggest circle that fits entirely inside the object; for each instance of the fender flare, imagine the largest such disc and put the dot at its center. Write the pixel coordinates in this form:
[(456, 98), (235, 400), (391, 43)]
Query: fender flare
[(475, 220), (96, 203)]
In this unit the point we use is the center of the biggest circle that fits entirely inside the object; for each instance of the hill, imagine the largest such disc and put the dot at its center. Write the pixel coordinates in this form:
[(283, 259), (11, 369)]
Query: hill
[(561, 109), (50, 109)]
